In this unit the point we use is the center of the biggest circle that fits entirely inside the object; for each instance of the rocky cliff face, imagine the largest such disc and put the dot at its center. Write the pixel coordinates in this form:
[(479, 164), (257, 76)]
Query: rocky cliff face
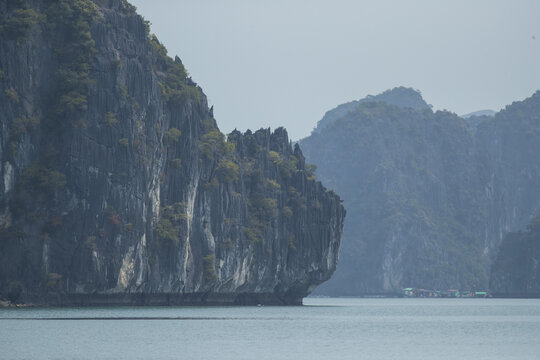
[(401, 97), (117, 186), (429, 198), (516, 271)]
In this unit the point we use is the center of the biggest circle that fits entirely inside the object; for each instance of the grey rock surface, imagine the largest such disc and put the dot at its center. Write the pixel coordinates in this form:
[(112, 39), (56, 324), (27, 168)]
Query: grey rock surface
[(429, 197), (118, 188)]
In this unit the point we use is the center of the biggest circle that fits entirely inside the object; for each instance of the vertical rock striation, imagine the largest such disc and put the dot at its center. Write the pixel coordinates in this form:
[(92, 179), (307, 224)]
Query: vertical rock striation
[(117, 186), (516, 269), (430, 195)]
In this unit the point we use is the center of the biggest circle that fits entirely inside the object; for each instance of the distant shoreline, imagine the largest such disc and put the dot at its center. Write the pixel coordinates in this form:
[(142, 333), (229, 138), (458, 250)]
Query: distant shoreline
[(398, 295), (154, 299), (158, 300)]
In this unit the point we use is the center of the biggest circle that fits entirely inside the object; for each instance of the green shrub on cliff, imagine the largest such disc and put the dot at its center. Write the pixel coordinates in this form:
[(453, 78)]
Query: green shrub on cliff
[(170, 223), (262, 211), (227, 171), (211, 143), (21, 125), (310, 170), (296, 201), (209, 264), (167, 230), (175, 87), (272, 185), (124, 142), (172, 135), (265, 208), (19, 25), (253, 236), (110, 119), (274, 157), (288, 166), (72, 79), (159, 48), (251, 144), (290, 242), (287, 212), (41, 179), (12, 94), (71, 103)]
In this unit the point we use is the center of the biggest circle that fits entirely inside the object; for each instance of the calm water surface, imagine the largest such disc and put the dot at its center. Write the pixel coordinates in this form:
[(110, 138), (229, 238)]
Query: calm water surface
[(323, 329)]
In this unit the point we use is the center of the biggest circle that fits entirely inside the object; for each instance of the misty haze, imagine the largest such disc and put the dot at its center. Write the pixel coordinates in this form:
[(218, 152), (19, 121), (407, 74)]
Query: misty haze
[(268, 180)]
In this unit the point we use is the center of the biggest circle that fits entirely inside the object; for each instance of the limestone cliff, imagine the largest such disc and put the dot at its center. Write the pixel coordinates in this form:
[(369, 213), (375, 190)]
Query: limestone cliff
[(118, 187), (429, 195), (516, 271)]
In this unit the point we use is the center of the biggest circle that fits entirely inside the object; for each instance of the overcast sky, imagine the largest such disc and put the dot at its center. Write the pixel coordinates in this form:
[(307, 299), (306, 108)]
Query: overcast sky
[(285, 63)]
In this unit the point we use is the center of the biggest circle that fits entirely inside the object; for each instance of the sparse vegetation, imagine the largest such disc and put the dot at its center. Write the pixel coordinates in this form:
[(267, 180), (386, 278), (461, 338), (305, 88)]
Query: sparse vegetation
[(274, 157), (175, 88), (12, 94), (159, 48), (147, 25), (263, 208), (211, 143), (272, 185), (287, 212), (72, 79), (290, 242), (253, 236), (288, 166), (170, 224), (123, 90), (22, 125), (20, 24), (90, 147), (227, 171), (172, 135), (310, 170), (209, 264), (230, 148), (212, 184), (296, 201), (110, 119), (41, 179), (124, 142), (315, 204), (91, 243)]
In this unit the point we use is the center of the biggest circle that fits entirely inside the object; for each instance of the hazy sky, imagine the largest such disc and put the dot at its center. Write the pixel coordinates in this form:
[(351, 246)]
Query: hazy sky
[(285, 63)]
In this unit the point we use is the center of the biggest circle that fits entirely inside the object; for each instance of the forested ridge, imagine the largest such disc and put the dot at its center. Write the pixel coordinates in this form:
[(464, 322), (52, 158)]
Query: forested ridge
[(429, 195)]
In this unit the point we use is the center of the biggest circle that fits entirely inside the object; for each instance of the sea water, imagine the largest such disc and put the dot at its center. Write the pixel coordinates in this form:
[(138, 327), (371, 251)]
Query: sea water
[(331, 328)]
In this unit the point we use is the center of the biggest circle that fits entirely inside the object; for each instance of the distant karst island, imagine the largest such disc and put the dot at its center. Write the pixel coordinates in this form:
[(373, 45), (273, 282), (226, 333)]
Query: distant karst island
[(118, 188), (433, 199)]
